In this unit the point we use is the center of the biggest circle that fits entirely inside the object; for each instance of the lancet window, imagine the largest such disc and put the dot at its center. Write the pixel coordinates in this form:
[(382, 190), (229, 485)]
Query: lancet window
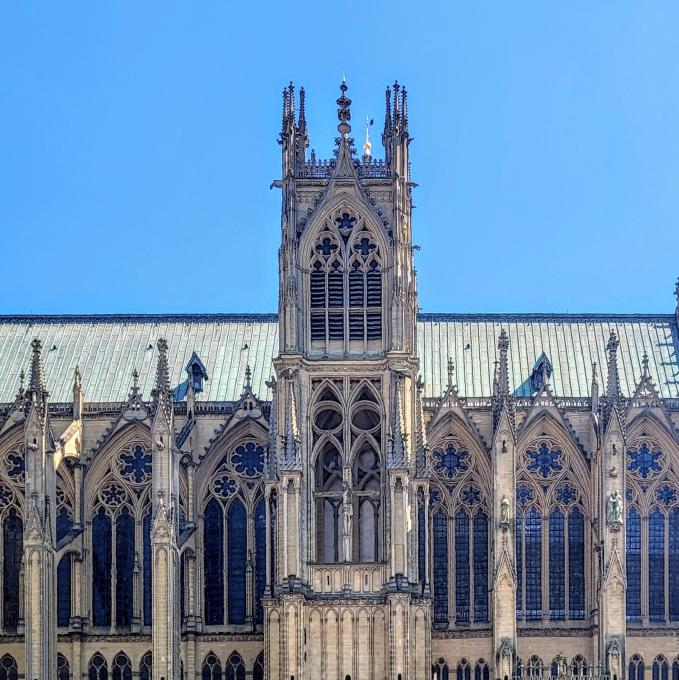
[(345, 284), (551, 536), (146, 666), (234, 535), (63, 668), (347, 445), (121, 540), (97, 669), (12, 478), (652, 520), (459, 514)]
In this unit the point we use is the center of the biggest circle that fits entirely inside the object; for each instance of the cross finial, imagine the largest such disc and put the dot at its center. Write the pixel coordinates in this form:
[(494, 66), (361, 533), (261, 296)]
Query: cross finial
[(248, 377)]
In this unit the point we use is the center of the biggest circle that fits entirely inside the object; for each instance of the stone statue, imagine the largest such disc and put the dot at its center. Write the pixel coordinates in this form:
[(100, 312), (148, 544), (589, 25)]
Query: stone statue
[(347, 507), (614, 510), (504, 511)]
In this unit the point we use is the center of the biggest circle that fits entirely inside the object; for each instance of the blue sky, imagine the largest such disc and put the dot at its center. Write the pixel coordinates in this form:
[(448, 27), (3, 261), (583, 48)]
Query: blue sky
[(138, 143)]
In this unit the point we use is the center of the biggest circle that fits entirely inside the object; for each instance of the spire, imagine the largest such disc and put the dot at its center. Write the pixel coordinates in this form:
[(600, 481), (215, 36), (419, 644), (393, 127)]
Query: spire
[(162, 393), (503, 401), (344, 111), (292, 460), (387, 114), (36, 381), (613, 399), (301, 121), (595, 388), (398, 447), (613, 382)]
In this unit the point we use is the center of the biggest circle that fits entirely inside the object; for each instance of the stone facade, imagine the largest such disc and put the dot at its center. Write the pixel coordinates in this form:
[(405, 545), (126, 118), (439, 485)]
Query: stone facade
[(352, 519)]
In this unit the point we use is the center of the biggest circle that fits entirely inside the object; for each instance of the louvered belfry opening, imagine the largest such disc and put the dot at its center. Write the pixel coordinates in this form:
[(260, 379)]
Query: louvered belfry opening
[(345, 286)]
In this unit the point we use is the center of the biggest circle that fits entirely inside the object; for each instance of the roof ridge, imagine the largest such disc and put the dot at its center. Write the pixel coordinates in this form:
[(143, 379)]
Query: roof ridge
[(273, 317)]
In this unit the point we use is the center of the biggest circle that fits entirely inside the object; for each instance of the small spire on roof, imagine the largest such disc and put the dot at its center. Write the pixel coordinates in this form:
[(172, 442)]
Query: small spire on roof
[(344, 111), (644, 365), (595, 387), (302, 112)]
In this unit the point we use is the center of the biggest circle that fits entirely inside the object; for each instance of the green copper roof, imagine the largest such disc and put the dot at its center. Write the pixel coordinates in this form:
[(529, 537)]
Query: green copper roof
[(107, 348)]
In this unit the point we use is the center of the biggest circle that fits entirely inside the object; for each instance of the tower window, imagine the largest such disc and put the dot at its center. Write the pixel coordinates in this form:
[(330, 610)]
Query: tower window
[(345, 284)]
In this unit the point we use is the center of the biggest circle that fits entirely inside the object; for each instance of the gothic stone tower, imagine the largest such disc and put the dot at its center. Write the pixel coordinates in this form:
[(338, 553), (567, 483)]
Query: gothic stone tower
[(346, 443)]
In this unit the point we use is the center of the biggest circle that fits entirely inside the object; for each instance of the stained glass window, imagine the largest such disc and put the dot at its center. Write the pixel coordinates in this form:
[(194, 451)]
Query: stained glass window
[(481, 671), (258, 669), (63, 668), (421, 541), (12, 547), (557, 572), (122, 668), (440, 571), (124, 567), (101, 570), (97, 669), (519, 565), (633, 553), (212, 669), (533, 569), (237, 554), (481, 567), (440, 670), (260, 559), (462, 566), (235, 669), (148, 571), (576, 564), (213, 542), (464, 671), (673, 559), (8, 668), (146, 667), (64, 591), (660, 668), (636, 668), (656, 565)]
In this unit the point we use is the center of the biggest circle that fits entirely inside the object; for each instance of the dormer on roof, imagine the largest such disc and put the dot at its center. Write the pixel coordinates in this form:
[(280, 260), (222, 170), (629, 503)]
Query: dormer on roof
[(196, 375)]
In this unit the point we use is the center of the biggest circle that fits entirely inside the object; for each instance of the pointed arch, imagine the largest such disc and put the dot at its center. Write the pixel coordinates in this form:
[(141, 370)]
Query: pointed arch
[(102, 560), (258, 668), (97, 668), (636, 669), (146, 667), (212, 668), (125, 564), (235, 668), (12, 551), (122, 667), (213, 552), (237, 560), (8, 668), (63, 668)]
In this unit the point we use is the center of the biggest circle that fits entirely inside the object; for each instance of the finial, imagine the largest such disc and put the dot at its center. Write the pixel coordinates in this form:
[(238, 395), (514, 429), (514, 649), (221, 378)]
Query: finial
[(397, 89), (77, 378), (135, 381), (676, 292), (36, 381), (387, 113), (302, 111), (594, 372), (367, 146), (613, 342), (162, 390), (248, 377), (22, 378), (451, 371), (503, 342), (344, 112)]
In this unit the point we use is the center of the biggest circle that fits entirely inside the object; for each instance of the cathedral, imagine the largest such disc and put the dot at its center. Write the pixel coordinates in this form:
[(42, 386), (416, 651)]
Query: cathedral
[(347, 489)]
